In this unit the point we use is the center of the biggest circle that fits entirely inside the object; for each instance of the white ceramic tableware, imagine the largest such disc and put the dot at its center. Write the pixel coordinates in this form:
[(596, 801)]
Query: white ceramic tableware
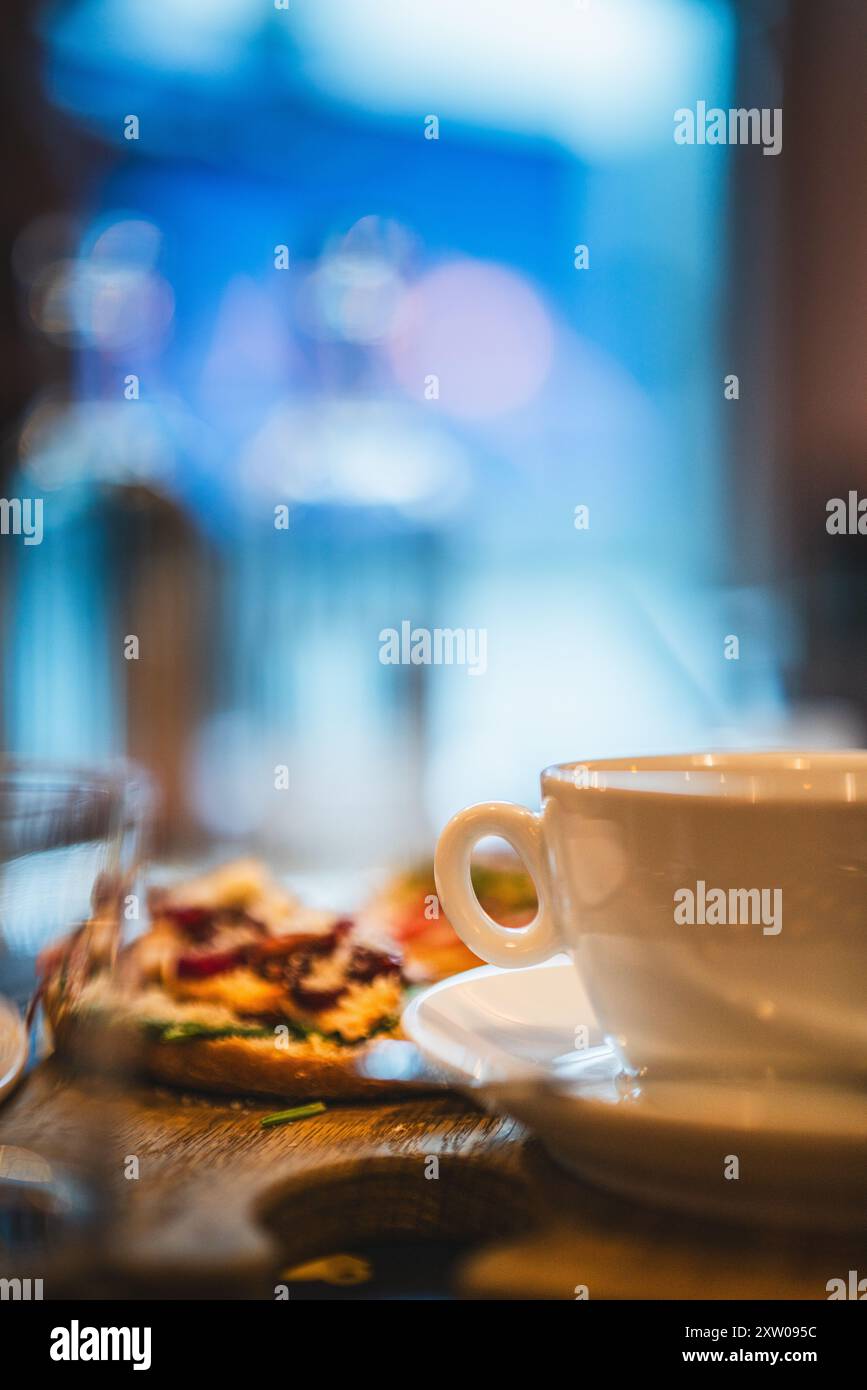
[(714, 905), (13, 1047), (799, 1146)]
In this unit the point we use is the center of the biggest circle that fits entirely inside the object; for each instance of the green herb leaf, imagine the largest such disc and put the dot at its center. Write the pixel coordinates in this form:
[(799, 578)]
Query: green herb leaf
[(190, 1031), (286, 1117), (385, 1025)]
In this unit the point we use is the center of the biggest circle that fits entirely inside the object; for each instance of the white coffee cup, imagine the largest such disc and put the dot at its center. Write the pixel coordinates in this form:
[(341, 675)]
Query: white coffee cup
[(714, 905)]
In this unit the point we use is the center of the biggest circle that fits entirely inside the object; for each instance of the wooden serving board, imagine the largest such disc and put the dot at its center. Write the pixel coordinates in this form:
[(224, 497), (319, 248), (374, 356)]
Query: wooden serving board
[(221, 1206)]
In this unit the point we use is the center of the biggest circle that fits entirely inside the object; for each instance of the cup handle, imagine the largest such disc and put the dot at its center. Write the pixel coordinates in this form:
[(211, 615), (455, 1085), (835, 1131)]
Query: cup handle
[(505, 946)]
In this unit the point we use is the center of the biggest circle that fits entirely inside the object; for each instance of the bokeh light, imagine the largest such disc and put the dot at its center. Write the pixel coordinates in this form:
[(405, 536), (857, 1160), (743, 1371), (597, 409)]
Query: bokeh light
[(481, 330)]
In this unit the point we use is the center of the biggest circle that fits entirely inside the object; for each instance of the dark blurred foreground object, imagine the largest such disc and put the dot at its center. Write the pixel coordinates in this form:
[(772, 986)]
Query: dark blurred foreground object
[(51, 1218)]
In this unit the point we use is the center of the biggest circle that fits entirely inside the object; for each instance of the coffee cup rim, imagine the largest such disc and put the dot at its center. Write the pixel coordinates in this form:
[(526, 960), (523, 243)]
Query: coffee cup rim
[(750, 775)]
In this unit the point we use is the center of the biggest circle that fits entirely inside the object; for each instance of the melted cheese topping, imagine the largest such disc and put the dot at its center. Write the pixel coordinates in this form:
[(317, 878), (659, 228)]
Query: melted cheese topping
[(361, 1008), (241, 990), (151, 1005)]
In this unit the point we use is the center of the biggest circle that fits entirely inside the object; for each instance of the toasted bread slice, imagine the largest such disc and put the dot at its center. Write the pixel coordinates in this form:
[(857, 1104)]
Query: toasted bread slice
[(234, 988), (124, 1039)]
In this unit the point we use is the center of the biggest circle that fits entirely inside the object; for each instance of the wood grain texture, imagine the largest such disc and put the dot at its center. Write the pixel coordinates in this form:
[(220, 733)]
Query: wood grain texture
[(221, 1205)]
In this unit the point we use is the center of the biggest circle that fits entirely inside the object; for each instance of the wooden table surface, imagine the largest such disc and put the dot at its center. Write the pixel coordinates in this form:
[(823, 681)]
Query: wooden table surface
[(221, 1206)]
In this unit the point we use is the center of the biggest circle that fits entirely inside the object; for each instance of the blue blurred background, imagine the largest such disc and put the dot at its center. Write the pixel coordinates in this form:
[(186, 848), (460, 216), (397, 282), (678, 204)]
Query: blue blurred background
[(431, 386)]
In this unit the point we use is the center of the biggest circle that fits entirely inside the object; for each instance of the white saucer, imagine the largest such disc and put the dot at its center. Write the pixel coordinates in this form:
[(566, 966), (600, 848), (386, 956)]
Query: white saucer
[(13, 1047), (801, 1150)]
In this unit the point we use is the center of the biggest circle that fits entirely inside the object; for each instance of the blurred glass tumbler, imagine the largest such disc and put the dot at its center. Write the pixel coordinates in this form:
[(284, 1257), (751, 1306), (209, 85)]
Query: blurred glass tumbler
[(66, 835), (62, 832)]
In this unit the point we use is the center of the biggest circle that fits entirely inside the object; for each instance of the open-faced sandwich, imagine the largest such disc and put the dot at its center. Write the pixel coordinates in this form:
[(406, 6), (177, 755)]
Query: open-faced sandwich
[(409, 910), (234, 987)]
